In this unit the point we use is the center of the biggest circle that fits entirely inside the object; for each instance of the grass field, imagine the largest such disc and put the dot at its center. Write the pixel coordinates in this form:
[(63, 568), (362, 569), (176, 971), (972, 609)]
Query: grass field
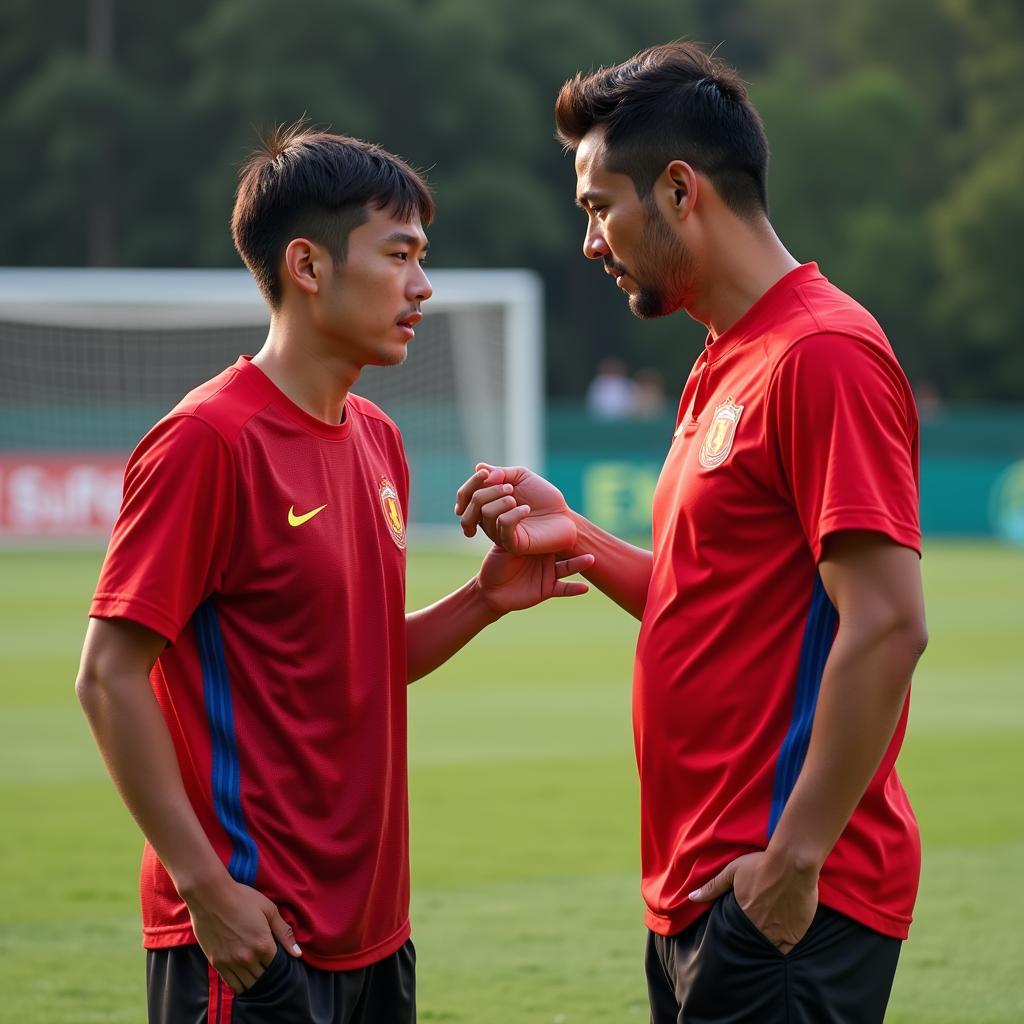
[(523, 793)]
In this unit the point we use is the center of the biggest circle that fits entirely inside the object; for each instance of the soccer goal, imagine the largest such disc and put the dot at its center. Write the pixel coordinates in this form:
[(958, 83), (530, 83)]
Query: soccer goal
[(89, 359)]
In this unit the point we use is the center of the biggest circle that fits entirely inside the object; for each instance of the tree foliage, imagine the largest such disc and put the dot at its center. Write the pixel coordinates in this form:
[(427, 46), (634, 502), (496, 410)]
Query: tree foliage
[(897, 136)]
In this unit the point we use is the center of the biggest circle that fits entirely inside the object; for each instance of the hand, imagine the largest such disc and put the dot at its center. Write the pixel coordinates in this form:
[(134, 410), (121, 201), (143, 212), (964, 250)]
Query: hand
[(509, 583), (517, 509), (236, 927), (780, 903)]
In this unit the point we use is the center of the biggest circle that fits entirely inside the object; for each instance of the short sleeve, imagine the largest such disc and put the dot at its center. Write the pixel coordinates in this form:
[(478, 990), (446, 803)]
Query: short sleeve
[(171, 540), (844, 427)]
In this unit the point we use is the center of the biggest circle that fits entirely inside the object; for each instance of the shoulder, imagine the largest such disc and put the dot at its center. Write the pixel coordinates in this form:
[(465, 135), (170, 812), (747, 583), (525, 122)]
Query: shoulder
[(225, 404), (374, 416), (829, 335)]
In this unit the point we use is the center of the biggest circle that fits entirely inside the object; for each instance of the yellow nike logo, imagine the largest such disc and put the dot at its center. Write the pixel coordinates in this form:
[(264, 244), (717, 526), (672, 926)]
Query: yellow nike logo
[(294, 520)]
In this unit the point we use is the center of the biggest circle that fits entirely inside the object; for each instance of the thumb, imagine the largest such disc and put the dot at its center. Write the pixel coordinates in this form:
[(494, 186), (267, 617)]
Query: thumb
[(283, 931), (718, 886)]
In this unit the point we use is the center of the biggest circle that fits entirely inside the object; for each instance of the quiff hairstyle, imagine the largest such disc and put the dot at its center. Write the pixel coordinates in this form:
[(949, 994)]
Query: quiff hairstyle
[(672, 102), (310, 184)]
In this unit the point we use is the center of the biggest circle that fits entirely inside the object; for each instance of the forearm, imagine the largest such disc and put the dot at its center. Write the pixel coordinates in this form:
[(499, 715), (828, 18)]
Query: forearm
[(139, 753), (863, 692), (435, 633), (620, 570)]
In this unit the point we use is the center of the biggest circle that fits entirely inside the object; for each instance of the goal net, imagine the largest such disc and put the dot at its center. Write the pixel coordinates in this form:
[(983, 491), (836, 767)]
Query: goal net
[(90, 359)]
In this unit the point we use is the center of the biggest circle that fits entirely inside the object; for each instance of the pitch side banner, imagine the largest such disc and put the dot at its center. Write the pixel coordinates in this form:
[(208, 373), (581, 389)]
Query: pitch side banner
[(59, 496)]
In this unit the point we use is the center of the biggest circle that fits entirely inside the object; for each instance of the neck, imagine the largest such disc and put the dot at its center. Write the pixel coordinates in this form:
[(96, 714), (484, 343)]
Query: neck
[(302, 367), (742, 262)]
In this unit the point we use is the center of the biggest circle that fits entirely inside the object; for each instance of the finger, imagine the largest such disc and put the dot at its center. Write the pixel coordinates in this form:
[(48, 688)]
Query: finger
[(579, 563), (506, 528), (569, 588), (283, 933), (482, 513), (231, 980), (489, 513), (718, 886), (244, 976), (465, 492)]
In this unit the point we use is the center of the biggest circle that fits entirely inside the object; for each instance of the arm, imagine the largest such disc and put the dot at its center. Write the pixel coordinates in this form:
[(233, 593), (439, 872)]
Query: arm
[(875, 585), (523, 512), (505, 583), (234, 924), (621, 571)]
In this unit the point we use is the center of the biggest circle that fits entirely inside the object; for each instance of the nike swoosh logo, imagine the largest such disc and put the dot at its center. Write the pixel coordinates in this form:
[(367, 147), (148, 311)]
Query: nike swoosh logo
[(294, 520)]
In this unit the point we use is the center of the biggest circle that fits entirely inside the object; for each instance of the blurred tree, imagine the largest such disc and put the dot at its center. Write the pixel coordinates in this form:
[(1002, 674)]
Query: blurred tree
[(980, 221), (842, 194), (892, 130)]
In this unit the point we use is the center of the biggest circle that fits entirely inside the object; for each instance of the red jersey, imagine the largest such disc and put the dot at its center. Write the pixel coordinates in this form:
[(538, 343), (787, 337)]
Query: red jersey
[(268, 547), (795, 423)]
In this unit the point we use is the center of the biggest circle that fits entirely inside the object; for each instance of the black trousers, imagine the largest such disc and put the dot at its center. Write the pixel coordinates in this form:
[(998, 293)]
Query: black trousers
[(184, 989), (722, 970)]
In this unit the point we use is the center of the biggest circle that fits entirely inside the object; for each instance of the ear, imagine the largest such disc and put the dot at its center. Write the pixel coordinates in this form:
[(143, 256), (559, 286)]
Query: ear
[(303, 265), (679, 185)]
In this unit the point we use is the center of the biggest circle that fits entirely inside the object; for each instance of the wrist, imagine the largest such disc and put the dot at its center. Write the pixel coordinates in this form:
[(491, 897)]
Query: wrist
[(484, 608), (795, 859), (202, 886), (578, 545)]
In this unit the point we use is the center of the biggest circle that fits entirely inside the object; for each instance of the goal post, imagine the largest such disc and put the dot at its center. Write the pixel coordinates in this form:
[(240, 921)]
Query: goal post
[(90, 358)]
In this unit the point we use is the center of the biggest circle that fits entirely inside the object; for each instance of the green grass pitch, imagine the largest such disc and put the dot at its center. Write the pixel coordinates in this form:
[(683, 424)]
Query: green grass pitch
[(525, 905)]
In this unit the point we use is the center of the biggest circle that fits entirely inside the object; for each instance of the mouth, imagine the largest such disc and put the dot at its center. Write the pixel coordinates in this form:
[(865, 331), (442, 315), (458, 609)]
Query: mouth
[(407, 323), (617, 272)]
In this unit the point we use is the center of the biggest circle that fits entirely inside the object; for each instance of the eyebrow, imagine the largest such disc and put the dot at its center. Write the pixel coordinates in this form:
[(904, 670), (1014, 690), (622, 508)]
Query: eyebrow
[(404, 238)]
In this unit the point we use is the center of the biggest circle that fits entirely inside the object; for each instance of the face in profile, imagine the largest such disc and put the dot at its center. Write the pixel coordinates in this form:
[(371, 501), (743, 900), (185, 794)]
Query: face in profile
[(630, 236), (369, 308)]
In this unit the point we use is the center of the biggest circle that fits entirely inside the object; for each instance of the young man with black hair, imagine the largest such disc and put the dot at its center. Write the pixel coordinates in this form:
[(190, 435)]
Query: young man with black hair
[(246, 662), (781, 610)]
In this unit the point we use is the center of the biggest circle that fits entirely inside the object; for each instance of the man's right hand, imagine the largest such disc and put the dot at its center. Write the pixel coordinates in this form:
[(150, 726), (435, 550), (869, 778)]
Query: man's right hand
[(517, 510), (238, 929)]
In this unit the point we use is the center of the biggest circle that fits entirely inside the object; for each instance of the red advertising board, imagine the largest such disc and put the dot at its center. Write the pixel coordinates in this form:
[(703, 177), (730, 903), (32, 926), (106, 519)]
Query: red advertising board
[(43, 495)]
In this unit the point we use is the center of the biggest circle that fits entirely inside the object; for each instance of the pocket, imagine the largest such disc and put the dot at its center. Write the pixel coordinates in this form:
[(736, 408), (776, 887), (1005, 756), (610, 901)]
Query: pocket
[(267, 982), (737, 918)]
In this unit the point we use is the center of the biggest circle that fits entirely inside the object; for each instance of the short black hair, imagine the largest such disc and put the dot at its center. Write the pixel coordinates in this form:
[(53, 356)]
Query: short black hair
[(672, 102), (316, 185)]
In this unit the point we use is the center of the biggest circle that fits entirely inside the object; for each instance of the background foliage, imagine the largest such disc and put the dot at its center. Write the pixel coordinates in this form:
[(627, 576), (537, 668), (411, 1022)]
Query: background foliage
[(897, 136)]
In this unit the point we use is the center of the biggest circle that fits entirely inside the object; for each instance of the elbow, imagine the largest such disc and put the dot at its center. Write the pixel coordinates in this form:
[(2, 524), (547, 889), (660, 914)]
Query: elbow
[(90, 686), (908, 638)]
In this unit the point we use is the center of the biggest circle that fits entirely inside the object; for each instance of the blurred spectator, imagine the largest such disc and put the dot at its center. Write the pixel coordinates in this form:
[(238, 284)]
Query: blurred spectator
[(929, 401), (648, 394), (610, 395)]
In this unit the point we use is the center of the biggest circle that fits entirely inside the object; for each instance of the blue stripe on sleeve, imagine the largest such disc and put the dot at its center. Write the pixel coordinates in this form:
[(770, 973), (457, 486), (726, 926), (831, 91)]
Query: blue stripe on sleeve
[(819, 633), (226, 773)]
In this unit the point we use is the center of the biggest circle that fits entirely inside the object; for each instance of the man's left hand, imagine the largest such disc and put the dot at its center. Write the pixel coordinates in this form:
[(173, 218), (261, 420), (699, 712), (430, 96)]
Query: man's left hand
[(779, 901), (509, 583)]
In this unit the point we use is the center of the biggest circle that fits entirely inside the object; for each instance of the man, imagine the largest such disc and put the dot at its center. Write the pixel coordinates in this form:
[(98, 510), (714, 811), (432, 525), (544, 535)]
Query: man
[(781, 611), (246, 663)]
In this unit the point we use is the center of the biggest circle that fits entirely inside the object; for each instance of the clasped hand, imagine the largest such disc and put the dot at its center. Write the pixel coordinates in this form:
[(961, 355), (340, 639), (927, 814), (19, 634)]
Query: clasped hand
[(518, 510)]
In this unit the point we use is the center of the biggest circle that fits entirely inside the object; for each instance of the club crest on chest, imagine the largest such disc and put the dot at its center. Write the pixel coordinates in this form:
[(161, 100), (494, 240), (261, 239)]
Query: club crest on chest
[(392, 511), (720, 435)]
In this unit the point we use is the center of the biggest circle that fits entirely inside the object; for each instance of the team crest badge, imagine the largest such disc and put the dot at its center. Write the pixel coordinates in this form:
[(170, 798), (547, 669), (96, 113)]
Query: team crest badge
[(392, 511), (718, 440)]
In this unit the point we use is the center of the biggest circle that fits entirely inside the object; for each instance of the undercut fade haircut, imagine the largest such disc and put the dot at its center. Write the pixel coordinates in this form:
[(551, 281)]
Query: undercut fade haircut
[(672, 102), (302, 183)]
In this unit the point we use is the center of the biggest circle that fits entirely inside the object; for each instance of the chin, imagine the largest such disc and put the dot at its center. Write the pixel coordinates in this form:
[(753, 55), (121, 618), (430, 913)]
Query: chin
[(394, 357), (649, 306)]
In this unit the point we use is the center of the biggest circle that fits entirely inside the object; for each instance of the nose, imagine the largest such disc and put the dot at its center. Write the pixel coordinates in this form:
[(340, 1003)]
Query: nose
[(594, 245), (419, 286)]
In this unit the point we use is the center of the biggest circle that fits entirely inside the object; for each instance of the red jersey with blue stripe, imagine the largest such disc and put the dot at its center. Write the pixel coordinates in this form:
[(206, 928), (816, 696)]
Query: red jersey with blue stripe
[(795, 423), (268, 548)]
